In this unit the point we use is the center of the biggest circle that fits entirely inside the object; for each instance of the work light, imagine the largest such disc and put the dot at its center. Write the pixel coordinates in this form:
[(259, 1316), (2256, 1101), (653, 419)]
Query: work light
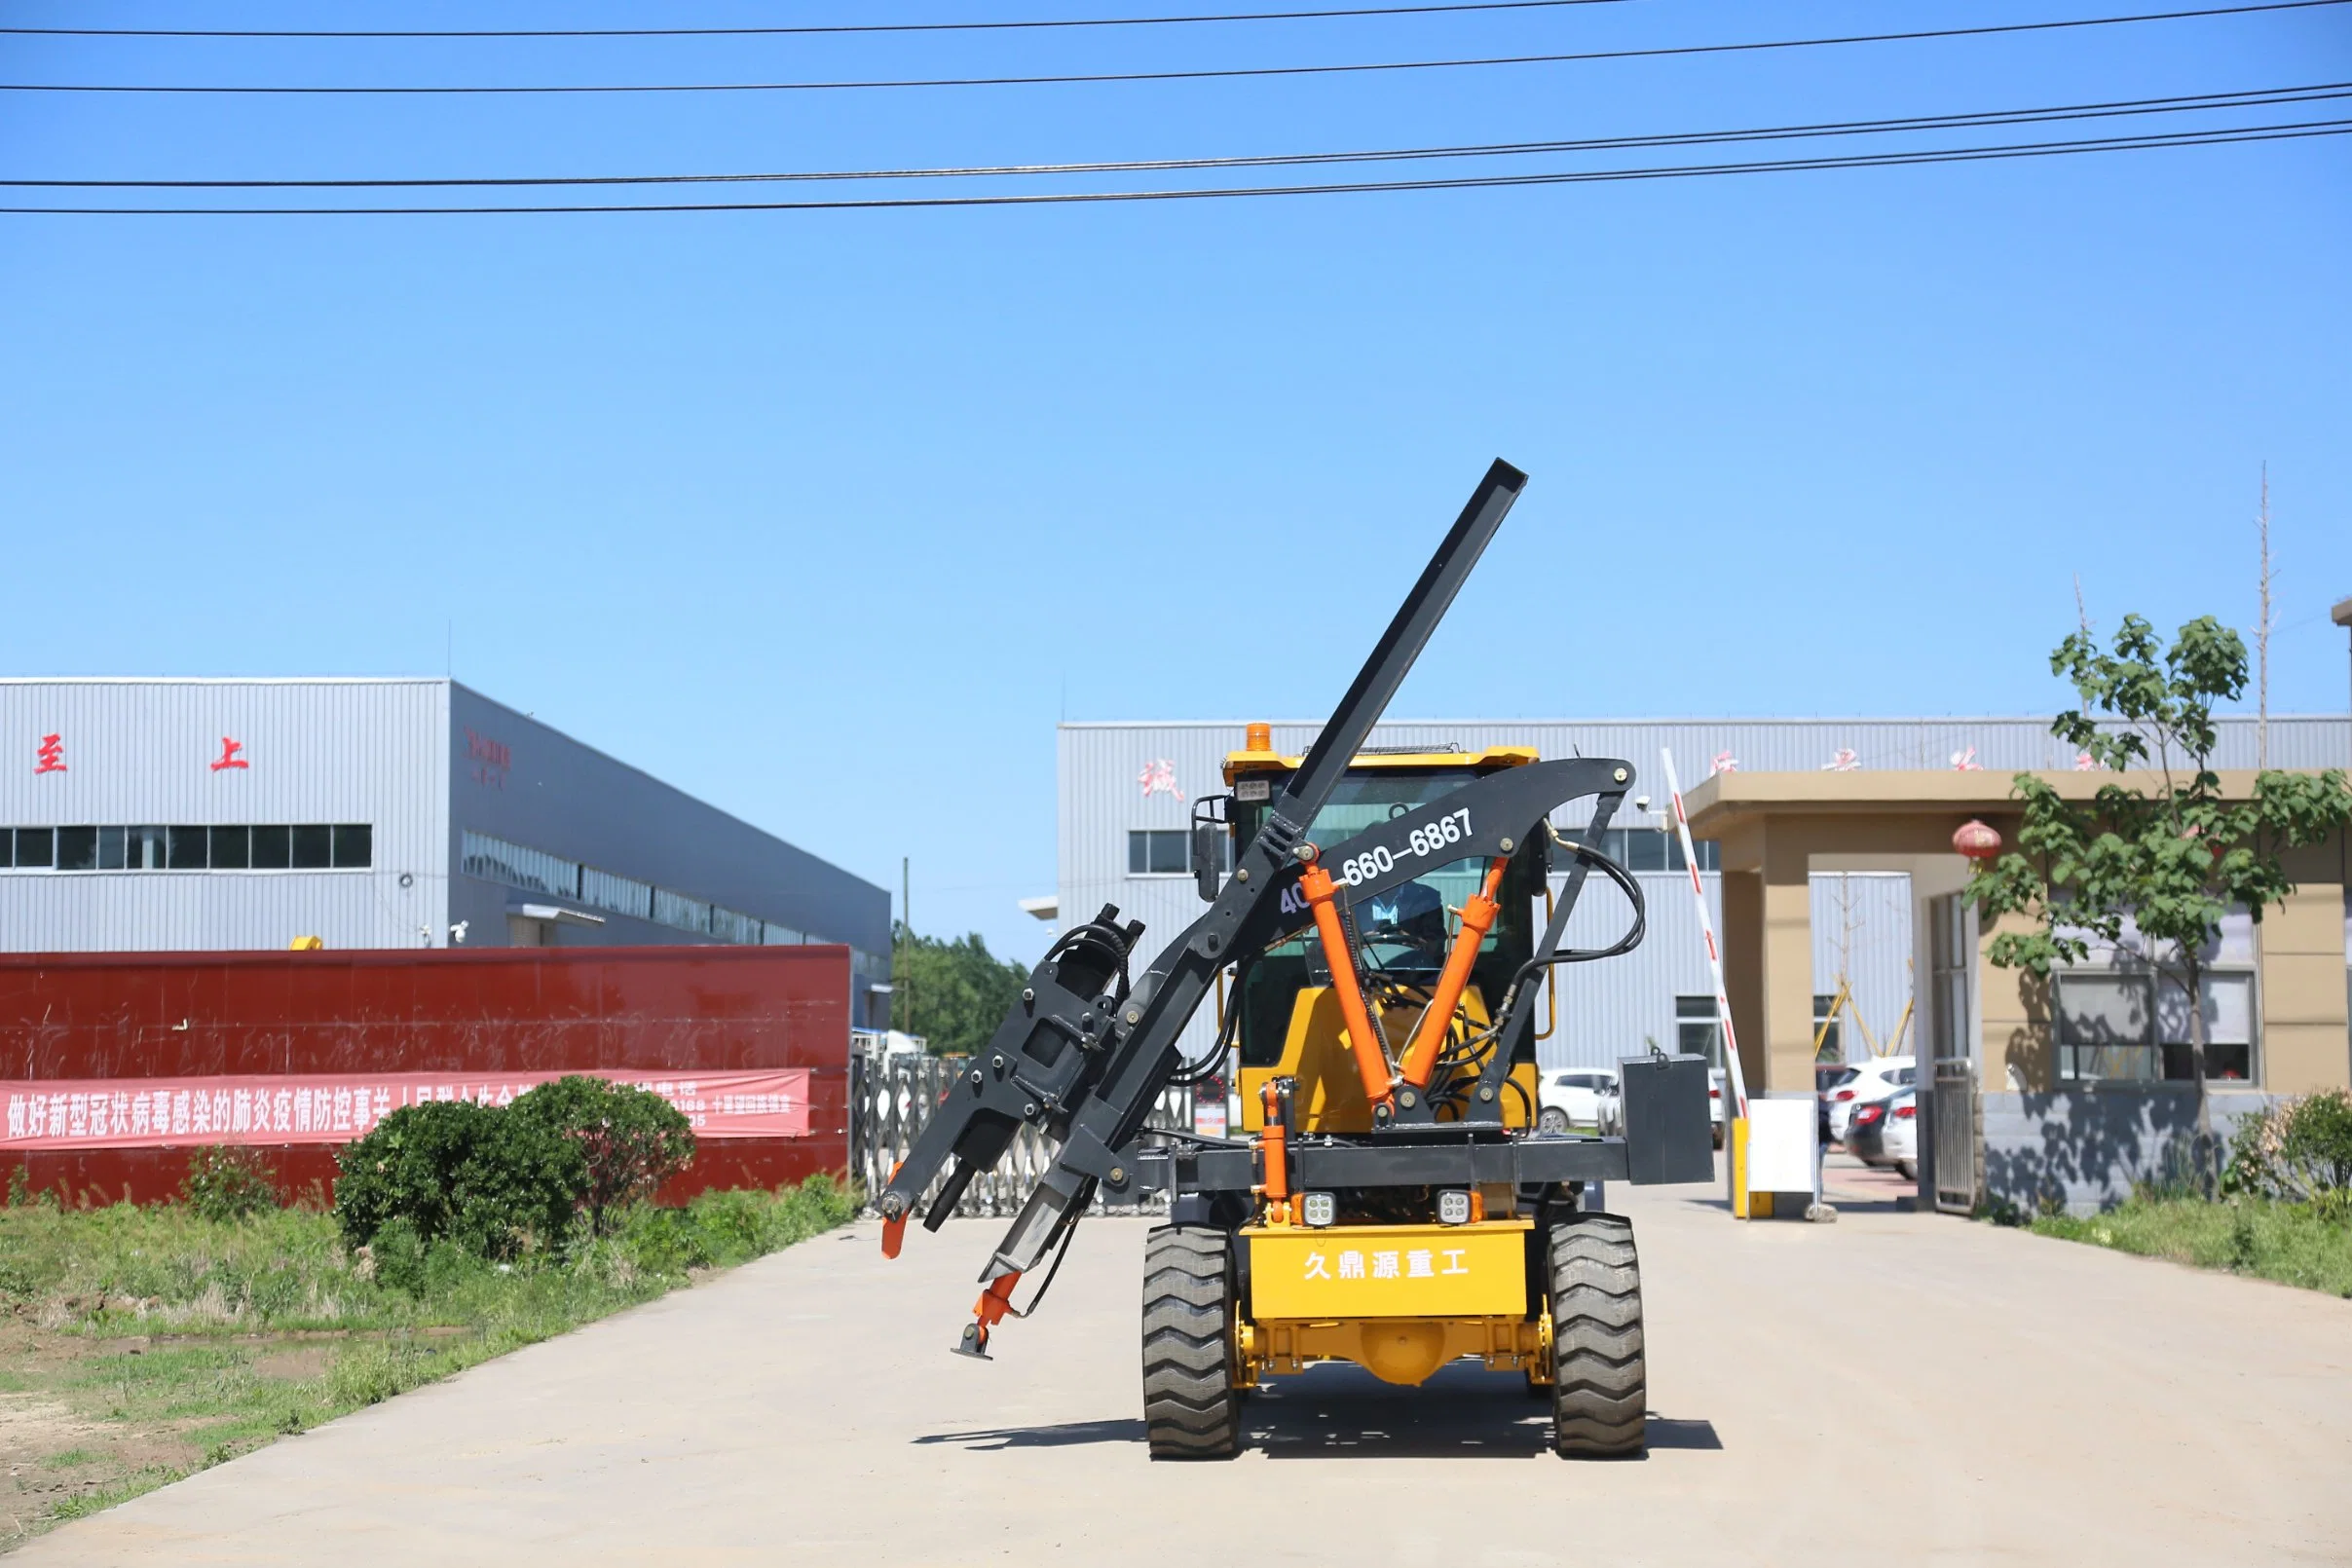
[(1453, 1208), (1318, 1207)]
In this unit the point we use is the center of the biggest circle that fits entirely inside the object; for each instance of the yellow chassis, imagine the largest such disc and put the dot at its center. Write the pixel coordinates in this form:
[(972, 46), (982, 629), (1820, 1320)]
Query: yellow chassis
[(1399, 1301)]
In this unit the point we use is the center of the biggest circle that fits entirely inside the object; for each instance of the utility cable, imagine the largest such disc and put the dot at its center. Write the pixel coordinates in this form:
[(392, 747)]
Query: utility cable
[(2184, 138), (832, 31), (2204, 102), (1218, 74)]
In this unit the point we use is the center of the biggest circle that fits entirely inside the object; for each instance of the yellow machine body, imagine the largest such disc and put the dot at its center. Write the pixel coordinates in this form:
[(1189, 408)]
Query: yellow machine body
[(1400, 1300), (1316, 1052)]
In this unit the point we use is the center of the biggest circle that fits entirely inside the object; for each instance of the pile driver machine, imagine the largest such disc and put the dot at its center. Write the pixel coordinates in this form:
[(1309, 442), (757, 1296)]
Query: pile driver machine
[(1388, 1200)]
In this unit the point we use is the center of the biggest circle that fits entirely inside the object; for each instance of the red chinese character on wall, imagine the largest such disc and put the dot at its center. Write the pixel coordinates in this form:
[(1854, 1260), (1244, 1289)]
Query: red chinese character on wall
[(228, 755), (490, 758), (52, 756)]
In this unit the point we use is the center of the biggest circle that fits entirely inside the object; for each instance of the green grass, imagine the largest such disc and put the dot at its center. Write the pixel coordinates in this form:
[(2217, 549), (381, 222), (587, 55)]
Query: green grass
[(185, 1342), (2293, 1243)]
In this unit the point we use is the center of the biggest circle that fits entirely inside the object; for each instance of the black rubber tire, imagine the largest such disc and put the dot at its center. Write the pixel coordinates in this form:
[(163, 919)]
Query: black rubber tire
[(1600, 1378), (1191, 1409), (1553, 1120)]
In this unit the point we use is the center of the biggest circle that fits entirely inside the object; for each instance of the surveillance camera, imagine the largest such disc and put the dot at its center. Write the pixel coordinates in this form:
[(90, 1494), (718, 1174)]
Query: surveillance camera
[(1641, 803)]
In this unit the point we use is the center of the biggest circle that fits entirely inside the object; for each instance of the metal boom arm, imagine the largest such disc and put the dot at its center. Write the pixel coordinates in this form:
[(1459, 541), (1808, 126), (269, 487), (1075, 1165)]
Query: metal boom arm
[(1087, 1056)]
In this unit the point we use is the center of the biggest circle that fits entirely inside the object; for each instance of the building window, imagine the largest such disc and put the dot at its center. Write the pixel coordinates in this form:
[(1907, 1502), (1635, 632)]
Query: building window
[(534, 870), (2133, 1027), (495, 860), (304, 846), (623, 895), (684, 913), (312, 848), (1158, 852), (1697, 1029), (34, 848), (1167, 852), (1825, 1029), (728, 927), (1651, 849)]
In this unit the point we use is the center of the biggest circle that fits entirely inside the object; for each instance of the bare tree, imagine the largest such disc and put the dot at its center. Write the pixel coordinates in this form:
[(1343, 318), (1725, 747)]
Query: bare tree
[(2262, 636)]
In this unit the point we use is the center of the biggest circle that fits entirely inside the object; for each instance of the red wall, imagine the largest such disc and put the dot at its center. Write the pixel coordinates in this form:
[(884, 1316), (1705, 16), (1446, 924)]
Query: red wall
[(195, 1014)]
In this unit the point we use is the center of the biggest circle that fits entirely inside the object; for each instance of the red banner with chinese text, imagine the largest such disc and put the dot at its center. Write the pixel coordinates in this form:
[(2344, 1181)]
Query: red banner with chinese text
[(337, 1108)]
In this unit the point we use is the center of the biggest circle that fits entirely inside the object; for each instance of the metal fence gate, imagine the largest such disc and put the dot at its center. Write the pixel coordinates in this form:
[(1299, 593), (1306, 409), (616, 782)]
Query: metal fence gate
[(892, 1096), (1957, 1159), (1959, 1138)]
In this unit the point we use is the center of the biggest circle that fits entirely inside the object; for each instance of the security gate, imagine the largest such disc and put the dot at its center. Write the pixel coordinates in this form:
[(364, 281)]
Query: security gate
[(892, 1096)]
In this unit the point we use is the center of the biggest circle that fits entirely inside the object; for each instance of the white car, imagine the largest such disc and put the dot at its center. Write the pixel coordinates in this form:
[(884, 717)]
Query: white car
[(1570, 1096), (1863, 1082), (1887, 1132)]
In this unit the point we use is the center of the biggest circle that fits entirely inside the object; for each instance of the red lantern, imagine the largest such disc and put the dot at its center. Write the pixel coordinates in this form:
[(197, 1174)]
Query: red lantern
[(1979, 842)]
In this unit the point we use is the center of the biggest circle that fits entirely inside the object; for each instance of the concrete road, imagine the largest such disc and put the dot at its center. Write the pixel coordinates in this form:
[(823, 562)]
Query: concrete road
[(1892, 1389)]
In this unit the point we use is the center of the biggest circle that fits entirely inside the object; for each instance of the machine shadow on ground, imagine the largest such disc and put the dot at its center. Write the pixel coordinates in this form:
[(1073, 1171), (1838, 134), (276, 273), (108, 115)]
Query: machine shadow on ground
[(1464, 1413)]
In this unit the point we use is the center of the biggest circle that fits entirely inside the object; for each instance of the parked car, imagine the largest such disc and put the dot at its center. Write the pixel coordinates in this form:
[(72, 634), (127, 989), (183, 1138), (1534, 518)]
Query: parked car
[(1862, 1082), (1571, 1098), (1717, 1094), (1887, 1132)]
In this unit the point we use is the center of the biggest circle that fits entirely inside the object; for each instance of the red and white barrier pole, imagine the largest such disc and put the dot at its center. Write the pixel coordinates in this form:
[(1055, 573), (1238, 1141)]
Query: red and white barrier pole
[(1707, 928)]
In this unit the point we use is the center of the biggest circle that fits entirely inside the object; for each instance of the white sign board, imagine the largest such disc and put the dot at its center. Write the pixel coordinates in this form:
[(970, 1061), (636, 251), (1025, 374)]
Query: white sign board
[(1780, 1145)]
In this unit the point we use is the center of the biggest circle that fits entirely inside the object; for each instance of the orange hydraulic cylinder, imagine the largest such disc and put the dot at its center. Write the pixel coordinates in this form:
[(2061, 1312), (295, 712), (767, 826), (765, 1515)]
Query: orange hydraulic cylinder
[(1371, 1060), (1274, 1143), (1479, 913)]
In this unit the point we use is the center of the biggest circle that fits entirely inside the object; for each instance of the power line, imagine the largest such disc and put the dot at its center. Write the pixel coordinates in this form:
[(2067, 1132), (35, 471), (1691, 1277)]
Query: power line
[(801, 32), (2293, 130), (2197, 103), (1225, 74)]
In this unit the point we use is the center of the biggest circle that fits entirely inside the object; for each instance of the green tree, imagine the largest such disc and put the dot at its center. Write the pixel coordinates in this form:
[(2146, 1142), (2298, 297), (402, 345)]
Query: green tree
[(2172, 861), (954, 993)]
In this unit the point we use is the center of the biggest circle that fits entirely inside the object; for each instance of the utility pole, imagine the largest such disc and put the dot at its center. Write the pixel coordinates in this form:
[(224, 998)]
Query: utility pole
[(2342, 614), (2262, 637)]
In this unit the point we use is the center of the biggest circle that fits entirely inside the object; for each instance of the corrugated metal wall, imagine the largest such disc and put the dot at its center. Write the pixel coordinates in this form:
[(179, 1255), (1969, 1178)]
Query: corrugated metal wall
[(140, 752), (540, 788), (1606, 1009)]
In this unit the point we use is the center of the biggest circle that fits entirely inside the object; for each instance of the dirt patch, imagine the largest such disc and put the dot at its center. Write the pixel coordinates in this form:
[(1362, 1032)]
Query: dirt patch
[(32, 1426), (293, 1366)]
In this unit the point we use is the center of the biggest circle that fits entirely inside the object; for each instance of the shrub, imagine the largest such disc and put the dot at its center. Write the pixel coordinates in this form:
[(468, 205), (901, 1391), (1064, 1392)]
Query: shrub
[(2300, 1150), (398, 1254), (631, 1140), (496, 1183), (226, 1182)]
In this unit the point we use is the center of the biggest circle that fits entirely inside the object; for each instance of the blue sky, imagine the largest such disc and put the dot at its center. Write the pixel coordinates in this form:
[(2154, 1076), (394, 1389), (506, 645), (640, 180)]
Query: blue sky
[(828, 517)]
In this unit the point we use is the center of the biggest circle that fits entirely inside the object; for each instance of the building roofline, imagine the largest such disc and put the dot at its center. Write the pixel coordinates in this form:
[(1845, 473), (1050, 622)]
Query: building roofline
[(226, 680), (659, 782), (1700, 719)]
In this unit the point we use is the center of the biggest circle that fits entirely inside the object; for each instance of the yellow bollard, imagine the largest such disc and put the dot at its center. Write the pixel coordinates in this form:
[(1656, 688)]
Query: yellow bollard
[(1740, 1167), (1745, 1205)]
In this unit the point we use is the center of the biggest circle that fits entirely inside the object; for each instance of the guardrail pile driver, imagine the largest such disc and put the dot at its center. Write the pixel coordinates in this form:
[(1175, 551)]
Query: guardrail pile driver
[(1387, 1199)]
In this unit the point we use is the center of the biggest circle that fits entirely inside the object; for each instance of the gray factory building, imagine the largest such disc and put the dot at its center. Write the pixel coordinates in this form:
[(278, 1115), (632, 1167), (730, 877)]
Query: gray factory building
[(1126, 791), (223, 814)]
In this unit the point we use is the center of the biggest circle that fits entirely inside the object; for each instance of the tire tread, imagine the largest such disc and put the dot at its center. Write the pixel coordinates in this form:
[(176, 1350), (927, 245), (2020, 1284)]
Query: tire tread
[(1601, 1379), (1191, 1409)]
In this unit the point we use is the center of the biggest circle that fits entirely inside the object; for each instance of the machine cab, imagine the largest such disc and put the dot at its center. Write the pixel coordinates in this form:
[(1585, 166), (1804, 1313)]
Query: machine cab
[(1288, 1020)]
